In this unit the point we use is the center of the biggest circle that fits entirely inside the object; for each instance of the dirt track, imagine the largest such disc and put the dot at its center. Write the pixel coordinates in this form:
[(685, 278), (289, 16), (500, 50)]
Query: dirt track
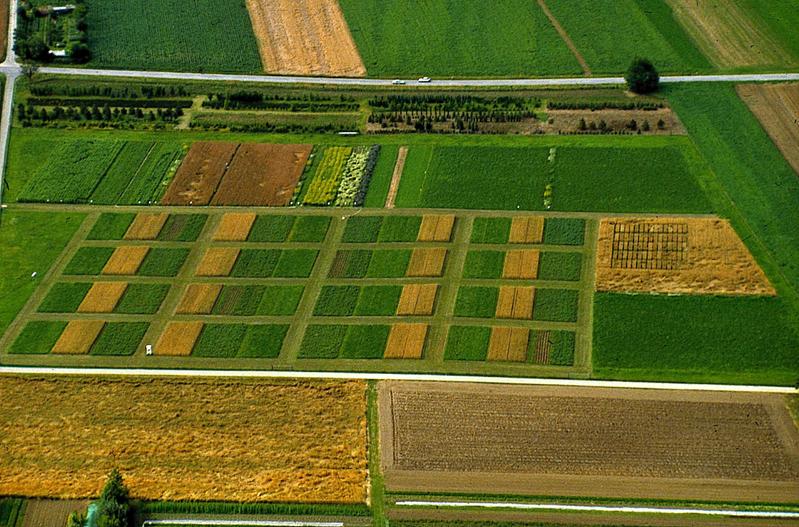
[(777, 108), (587, 442)]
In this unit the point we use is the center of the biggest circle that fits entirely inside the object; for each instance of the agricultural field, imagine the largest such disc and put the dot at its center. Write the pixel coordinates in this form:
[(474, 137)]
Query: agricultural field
[(776, 107)]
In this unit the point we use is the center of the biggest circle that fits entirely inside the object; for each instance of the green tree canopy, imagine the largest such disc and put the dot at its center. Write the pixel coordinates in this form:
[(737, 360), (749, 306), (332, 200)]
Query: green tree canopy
[(642, 77)]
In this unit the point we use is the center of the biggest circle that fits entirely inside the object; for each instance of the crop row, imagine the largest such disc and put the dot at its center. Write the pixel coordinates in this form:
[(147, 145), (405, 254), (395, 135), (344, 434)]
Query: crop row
[(356, 176)]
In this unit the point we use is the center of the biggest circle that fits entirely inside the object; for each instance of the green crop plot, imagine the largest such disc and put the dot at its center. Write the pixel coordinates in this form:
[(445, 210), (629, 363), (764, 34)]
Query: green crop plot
[(562, 345), (64, 297), (295, 263), (337, 300), (389, 263), (378, 300), (38, 337), (263, 341), (280, 300), (142, 299), (89, 261), (256, 263), (564, 231), (322, 342), (238, 300), (479, 302), (111, 226), (271, 228), (555, 305), (399, 229), (560, 266), (147, 184), (350, 264), (310, 229), (219, 340), (137, 34), (483, 264), (362, 229), (381, 177), (491, 230), (163, 261), (467, 343), (182, 227), (119, 175), (451, 38), (119, 338), (365, 342)]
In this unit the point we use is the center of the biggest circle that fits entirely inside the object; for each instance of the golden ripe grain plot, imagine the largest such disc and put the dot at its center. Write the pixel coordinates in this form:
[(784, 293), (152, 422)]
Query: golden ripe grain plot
[(234, 227), (199, 299), (102, 297), (218, 261), (777, 108), (526, 229), (78, 337), (178, 338), (427, 262), (125, 260), (406, 341), (515, 302), (508, 344), (417, 299), (676, 255), (521, 264), (436, 228), (146, 226), (175, 440)]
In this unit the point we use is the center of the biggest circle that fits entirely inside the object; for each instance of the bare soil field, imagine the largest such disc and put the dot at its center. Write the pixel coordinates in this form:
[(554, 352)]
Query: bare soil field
[(263, 175), (185, 440), (508, 344), (146, 226), (199, 174), (436, 228), (568, 121), (396, 176), (78, 337), (234, 227), (442, 437), (199, 299), (218, 261), (102, 297), (528, 229), (521, 264), (178, 338), (676, 255), (50, 513), (777, 108), (304, 37), (406, 341), (427, 262), (417, 299), (125, 260)]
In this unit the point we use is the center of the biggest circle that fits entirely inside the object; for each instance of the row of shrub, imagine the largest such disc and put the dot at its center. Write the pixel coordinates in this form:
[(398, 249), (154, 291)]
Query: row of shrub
[(31, 114), (254, 100), (604, 105), (451, 103), (114, 91)]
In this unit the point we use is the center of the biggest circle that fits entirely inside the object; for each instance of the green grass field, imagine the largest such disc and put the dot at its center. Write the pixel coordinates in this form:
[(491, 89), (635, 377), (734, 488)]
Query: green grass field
[(64, 297)]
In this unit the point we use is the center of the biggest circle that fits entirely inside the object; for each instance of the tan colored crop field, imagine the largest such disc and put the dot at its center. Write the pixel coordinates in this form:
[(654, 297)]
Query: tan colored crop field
[(102, 297), (199, 299), (417, 299), (436, 228), (199, 174), (427, 262), (305, 37), (218, 261), (676, 255), (521, 264), (777, 108), (515, 302), (508, 344), (406, 341), (446, 437), (125, 260), (146, 226), (528, 229), (78, 337), (185, 440), (234, 227), (178, 338)]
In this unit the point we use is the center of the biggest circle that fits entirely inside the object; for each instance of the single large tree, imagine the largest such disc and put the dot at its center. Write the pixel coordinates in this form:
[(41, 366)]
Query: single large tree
[(642, 77), (113, 505)]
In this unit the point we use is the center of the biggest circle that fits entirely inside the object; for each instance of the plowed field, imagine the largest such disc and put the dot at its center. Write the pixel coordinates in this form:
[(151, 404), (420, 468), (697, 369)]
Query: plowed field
[(587, 442), (200, 173), (777, 108)]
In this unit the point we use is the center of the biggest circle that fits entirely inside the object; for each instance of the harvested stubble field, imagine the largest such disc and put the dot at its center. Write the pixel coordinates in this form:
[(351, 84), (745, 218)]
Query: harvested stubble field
[(181, 440), (304, 37), (776, 107), (676, 255), (587, 442)]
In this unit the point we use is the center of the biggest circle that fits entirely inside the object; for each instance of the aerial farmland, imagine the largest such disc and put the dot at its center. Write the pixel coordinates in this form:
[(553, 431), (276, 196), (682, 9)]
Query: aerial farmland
[(418, 264)]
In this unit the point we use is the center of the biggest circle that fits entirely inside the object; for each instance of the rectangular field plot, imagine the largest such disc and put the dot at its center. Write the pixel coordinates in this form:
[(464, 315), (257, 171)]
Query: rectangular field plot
[(443, 437)]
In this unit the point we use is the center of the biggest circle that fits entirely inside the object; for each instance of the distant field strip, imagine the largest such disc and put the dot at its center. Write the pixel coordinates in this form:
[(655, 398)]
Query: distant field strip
[(565, 36), (777, 108)]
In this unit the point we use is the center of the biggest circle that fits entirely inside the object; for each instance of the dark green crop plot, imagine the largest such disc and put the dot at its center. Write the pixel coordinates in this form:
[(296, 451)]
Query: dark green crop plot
[(310, 229), (484, 264), (269, 228), (389, 263), (219, 340), (564, 231), (111, 226), (89, 261), (182, 227), (256, 263), (560, 266), (350, 264), (120, 173), (142, 299), (467, 343), (555, 305), (162, 261), (378, 300), (295, 263), (38, 337), (263, 341), (399, 229), (322, 341), (280, 300), (64, 297), (146, 187), (365, 342), (562, 345), (238, 300), (381, 177), (337, 301), (478, 302), (491, 230), (362, 229), (119, 338)]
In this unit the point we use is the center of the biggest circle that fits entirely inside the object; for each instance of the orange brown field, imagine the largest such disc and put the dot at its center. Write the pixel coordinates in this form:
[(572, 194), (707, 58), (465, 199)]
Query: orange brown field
[(508, 344), (399, 166), (47, 513), (526, 229), (777, 108), (185, 440), (218, 261), (406, 341), (199, 299), (125, 260), (234, 227), (304, 37), (436, 228), (515, 302), (102, 297), (600, 442), (676, 255), (427, 262), (521, 264), (78, 337), (178, 338), (146, 226), (417, 299), (199, 174)]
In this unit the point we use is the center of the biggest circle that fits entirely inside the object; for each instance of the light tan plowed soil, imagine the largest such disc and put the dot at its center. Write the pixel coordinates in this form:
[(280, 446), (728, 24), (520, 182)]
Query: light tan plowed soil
[(234, 227), (445, 437), (305, 37), (777, 108), (185, 440), (103, 297), (200, 173), (399, 166), (78, 337), (676, 255), (146, 226)]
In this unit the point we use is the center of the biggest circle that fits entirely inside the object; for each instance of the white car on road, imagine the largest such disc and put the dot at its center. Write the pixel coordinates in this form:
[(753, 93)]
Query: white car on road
[(425, 79), (398, 81)]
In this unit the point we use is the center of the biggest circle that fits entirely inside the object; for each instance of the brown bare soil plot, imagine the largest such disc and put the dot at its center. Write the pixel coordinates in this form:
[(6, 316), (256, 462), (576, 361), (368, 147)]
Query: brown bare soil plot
[(777, 108), (521, 264), (442, 437), (218, 261), (200, 173), (234, 227), (417, 299), (146, 226), (3, 28), (125, 260), (436, 228), (515, 302), (569, 121), (178, 338), (78, 337), (102, 297), (676, 255), (543, 346), (199, 299), (727, 35), (406, 341), (526, 229), (262, 175), (427, 262), (304, 37), (50, 513), (508, 344), (399, 166), (185, 440)]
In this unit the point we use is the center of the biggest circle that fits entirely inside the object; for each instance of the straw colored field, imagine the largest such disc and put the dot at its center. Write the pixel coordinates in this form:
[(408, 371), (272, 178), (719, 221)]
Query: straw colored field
[(436, 228), (200, 173), (287, 442), (427, 262), (78, 337), (125, 260), (262, 174), (178, 338), (103, 297), (777, 108), (515, 302), (676, 255), (304, 37), (199, 299), (508, 344), (526, 230), (218, 261), (522, 264), (443, 437), (406, 341), (417, 299), (234, 227), (146, 226), (396, 176)]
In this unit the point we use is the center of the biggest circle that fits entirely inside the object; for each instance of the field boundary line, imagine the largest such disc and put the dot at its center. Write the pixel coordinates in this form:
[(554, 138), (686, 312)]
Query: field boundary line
[(374, 376), (564, 35)]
